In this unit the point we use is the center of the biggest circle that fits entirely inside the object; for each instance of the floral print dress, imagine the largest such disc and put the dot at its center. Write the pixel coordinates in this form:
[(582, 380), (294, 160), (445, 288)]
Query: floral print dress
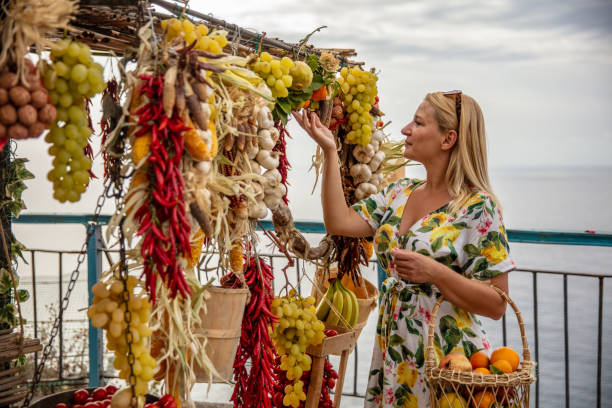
[(473, 244)]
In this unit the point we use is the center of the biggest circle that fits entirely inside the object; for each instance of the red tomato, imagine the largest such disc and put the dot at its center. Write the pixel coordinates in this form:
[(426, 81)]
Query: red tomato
[(110, 389), (170, 404), (78, 406), (91, 404), (61, 405), (80, 396), (99, 394), (166, 399), (106, 403)]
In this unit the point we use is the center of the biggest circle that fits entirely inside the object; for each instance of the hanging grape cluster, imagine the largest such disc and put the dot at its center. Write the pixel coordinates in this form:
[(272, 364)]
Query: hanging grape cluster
[(71, 80)]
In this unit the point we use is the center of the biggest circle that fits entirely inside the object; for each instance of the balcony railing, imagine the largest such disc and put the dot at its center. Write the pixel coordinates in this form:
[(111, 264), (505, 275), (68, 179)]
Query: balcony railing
[(98, 257)]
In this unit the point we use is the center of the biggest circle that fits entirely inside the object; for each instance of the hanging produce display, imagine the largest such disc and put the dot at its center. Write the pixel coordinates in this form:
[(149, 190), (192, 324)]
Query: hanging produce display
[(194, 130)]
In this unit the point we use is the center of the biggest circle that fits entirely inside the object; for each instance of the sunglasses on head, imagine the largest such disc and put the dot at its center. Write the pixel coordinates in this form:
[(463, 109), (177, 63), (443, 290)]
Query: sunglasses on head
[(457, 95)]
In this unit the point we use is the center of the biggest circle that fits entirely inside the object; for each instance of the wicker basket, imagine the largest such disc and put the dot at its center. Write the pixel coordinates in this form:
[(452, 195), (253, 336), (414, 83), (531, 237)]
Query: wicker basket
[(475, 389)]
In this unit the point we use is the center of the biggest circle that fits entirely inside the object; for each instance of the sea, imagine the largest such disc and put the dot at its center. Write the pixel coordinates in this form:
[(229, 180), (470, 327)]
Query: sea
[(569, 198)]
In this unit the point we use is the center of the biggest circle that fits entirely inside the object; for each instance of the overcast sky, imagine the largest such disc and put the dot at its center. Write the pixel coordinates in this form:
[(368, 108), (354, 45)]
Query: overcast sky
[(541, 71)]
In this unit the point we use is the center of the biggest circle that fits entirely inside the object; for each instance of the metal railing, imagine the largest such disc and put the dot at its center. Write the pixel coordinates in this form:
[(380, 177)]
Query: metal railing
[(96, 252)]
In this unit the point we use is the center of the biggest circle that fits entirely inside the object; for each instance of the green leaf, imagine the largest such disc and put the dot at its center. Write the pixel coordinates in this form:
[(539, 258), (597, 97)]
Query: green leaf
[(471, 250), (461, 225), (437, 244), (394, 220), (452, 337), (395, 340), (284, 105), (370, 205), (395, 356), (424, 251), (419, 355), (406, 353), (425, 229), (481, 265), (495, 370), (446, 323), (469, 332), (23, 295), (469, 348), (411, 329)]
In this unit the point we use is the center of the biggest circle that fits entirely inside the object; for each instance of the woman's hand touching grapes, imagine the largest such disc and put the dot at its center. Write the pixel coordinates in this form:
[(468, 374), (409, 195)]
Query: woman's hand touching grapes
[(309, 121)]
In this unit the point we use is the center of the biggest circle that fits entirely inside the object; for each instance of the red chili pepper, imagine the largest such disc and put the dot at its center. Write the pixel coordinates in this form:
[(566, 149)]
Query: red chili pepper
[(160, 250)]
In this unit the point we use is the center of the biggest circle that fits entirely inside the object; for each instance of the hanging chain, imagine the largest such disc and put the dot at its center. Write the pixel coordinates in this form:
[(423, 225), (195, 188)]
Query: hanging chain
[(123, 275), (64, 305)]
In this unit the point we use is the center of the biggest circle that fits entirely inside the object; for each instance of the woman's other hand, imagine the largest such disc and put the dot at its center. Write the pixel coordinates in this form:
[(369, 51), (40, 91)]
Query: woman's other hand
[(414, 267), (309, 121)]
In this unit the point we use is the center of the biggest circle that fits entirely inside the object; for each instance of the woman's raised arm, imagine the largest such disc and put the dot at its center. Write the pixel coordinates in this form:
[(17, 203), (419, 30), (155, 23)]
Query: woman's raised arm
[(338, 217)]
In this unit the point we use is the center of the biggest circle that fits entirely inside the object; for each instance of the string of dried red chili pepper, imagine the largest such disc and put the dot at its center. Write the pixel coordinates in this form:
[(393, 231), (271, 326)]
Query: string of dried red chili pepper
[(163, 223), (283, 163), (257, 387)]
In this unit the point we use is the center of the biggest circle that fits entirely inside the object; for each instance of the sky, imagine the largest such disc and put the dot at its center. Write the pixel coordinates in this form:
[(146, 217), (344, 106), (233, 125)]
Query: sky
[(540, 70)]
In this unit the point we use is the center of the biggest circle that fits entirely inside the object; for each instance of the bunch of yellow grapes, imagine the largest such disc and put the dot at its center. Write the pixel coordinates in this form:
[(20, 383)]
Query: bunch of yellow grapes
[(275, 72), (212, 42), (358, 95), (298, 328), (107, 312), (73, 77)]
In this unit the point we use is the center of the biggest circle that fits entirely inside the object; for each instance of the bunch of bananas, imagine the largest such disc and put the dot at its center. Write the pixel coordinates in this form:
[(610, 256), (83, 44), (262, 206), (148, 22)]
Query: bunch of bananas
[(344, 302)]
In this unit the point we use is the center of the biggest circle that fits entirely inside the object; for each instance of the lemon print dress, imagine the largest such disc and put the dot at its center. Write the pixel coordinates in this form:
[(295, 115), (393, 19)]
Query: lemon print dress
[(472, 243)]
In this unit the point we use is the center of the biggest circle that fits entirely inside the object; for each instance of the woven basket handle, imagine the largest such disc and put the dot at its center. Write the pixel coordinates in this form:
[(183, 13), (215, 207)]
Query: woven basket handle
[(430, 361)]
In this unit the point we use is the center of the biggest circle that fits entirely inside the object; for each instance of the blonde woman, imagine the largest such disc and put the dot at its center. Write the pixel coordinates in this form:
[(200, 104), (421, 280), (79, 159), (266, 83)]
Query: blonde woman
[(443, 235)]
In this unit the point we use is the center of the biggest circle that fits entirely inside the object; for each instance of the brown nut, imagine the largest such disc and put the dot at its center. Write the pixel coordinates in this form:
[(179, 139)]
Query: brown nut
[(17, 131), (2, 131), (47, 114), (3, 96), (36, 129), (19, 95), (27, 115), (8, 80), (8, 114), (39, 98)]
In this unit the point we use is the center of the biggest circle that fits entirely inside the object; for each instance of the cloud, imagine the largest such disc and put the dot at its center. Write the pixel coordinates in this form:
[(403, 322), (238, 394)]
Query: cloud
[(496, 31)]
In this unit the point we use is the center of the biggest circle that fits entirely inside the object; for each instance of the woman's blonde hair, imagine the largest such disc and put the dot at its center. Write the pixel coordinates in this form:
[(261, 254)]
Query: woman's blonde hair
[(467, 167)]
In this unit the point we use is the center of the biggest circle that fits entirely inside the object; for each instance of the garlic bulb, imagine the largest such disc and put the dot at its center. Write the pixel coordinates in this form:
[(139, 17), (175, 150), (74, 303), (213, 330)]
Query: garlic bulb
[(360, 173), (376, 161), (376, 180), (268, 159), (364, 190), (252, 150), (255, 168), (274, 134), (265, 139), (258, 209), (264, 118), (273, 178), (364, 154)]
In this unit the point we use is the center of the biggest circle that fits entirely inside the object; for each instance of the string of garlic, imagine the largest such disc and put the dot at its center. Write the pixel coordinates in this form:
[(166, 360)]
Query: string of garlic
[(366, 173)]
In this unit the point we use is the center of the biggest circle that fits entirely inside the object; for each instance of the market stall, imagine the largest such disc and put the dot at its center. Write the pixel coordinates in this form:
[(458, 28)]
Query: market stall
[(193, 141)]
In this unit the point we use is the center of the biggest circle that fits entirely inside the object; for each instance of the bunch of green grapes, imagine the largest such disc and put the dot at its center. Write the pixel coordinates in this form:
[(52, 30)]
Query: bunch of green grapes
[(275, 72), (358, 95), (212, 42), (107, 312), (298, 328), (72, 78)]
